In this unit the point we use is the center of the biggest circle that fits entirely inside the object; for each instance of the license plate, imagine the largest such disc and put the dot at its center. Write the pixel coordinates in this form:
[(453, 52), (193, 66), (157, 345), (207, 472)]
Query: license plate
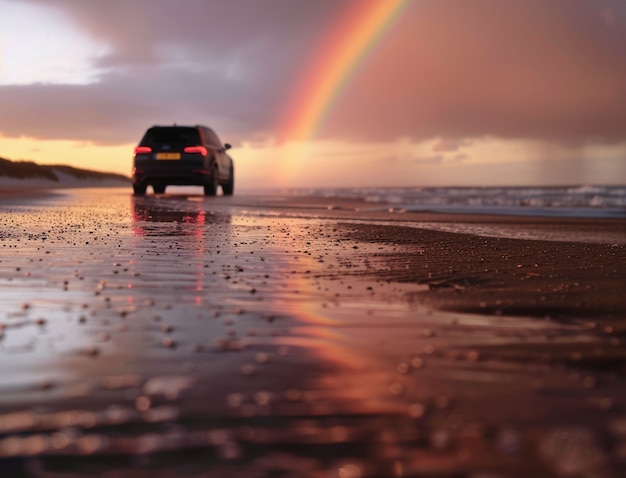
[(168, 156)]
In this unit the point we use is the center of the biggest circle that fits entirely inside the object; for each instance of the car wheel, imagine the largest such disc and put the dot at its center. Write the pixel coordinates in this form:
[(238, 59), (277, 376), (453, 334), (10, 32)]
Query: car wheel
[(229, 187), (210, 189), (139, 190), (158, 188)]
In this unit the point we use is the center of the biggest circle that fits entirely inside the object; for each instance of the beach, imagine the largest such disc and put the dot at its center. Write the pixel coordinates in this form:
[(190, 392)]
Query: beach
[(283, 335)]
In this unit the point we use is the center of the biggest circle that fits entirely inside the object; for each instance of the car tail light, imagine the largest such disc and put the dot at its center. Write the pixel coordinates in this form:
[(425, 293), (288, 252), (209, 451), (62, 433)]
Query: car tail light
[(143, 149), (196, 149)]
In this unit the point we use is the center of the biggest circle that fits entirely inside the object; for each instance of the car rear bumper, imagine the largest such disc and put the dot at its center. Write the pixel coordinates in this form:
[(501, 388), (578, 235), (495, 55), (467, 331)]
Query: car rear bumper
[(194, 173)]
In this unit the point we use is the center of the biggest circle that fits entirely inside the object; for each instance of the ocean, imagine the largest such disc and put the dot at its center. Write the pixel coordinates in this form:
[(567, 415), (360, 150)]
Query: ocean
[(560, 201)]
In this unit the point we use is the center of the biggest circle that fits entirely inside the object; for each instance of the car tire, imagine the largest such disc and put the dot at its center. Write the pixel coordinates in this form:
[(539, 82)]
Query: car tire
[(159, 188), (229, 187), (210, 188), (139, 190)]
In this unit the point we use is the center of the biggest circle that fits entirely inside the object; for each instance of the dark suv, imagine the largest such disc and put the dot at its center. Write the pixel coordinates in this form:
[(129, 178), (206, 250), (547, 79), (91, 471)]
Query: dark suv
[(182, 155)]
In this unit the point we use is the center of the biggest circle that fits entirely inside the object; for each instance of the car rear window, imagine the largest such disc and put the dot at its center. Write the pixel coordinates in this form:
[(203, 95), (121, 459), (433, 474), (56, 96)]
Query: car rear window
[(171, 136)]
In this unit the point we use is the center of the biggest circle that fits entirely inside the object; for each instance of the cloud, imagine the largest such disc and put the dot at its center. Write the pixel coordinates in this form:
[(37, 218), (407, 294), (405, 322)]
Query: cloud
[(148, 31), (120, 107), (545, 69), (441, 159), (226, 63), (436, 159), (448, 144)]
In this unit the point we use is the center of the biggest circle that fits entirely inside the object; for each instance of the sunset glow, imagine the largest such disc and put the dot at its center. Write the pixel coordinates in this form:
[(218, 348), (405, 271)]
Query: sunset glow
[(333, 93)]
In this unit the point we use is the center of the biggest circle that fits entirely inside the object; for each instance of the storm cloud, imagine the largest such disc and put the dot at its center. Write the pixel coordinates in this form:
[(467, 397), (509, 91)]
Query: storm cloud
[(550, 70), (538, 69)]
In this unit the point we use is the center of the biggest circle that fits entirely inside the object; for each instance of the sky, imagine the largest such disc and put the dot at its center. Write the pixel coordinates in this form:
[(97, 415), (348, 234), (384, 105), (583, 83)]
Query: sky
[(355, 93)]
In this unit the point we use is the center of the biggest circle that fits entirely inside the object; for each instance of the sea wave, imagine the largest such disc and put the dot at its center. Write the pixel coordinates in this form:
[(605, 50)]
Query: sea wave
[(573, 201)]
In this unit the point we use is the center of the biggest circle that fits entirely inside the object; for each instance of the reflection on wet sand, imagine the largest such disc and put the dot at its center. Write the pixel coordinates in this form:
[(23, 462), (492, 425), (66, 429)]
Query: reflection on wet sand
[(182, 334), (182, 319)]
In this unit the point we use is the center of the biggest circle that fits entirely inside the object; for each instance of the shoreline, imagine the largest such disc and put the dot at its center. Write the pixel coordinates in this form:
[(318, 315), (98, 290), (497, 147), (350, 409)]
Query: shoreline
[(297, 200)]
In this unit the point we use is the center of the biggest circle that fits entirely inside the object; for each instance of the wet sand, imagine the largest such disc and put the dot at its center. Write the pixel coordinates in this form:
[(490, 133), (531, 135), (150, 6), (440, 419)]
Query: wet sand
[(179, 335)]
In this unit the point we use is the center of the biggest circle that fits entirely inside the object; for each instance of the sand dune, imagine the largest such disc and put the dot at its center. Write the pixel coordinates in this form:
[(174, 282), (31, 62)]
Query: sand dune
[(24, 176)]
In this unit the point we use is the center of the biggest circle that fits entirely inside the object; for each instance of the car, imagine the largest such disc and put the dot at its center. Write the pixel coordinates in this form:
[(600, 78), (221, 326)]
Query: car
[(183, 156)]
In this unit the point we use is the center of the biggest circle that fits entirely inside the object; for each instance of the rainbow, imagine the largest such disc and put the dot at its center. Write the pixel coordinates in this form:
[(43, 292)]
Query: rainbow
[(357, 29)]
